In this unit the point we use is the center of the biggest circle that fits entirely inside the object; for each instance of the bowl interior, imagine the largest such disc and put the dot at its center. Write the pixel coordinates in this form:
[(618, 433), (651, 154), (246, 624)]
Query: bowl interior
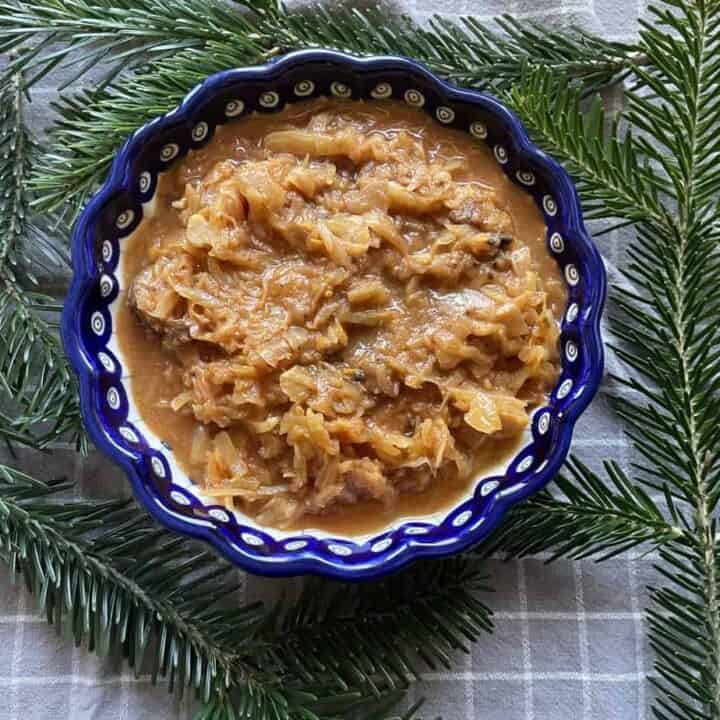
[(97, 293)]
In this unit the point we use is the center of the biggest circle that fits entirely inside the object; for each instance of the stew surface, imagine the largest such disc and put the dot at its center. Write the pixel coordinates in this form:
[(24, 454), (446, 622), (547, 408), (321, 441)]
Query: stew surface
[(339, 314)]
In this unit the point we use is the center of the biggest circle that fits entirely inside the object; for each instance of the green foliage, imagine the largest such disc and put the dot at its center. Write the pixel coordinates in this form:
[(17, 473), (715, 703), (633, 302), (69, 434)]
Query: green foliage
[(131, 32), (664, 178), (589, 516), (466, 52), (105, 569), (33, 371), (366, 621), (208, 37), (337, 651), (680, 353), (612, 177), (124, 33), (106, 572)]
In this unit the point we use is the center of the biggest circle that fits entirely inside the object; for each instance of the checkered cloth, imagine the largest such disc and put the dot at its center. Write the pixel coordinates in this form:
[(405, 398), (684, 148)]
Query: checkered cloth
[(569, 639)]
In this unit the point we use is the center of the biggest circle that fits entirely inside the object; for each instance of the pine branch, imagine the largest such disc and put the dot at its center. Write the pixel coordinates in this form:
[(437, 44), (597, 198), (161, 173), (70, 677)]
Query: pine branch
[(119, 581), (465, 51), (33, 371), (131, 32), (678, 631), (588, 517), (81, 35), (664, 177), (95, 122), (684, 45), (612, 177), (302, 644), (123, 568)]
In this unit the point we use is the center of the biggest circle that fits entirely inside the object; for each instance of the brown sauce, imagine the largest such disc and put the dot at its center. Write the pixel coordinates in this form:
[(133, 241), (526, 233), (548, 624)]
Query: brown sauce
[(339, 314)]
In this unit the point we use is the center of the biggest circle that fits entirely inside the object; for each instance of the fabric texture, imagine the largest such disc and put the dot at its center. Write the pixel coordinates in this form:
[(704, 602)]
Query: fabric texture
[(569, 640)]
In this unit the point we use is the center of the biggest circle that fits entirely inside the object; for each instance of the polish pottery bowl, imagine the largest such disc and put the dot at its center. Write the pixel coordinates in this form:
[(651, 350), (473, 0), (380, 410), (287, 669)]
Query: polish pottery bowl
[(89, 318)]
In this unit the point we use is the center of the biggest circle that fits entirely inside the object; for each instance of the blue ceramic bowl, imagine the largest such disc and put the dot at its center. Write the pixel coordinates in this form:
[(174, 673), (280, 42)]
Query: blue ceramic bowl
[(116, 210)]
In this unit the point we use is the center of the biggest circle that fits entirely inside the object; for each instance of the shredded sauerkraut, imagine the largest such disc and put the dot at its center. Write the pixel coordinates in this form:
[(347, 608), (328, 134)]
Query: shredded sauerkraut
[(352, 314)]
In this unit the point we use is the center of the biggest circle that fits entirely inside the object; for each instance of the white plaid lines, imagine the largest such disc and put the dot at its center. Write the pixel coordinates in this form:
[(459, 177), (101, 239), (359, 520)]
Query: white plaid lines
[(551, 615), (639, 632), (475, 675), (527, 653), (469, 687), (81, 680), (638, 615), (126, 679), (17, 653), (73, 700), (582, 638), (525, 677), (18, 618)]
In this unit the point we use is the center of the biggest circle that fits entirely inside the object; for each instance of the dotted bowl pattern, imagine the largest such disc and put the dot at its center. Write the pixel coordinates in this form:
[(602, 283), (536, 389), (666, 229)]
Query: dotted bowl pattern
[(116, 210)]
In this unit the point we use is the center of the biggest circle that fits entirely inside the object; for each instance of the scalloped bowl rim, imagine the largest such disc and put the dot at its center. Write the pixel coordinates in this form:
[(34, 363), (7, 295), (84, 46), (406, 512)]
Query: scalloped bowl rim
[(407, 548)]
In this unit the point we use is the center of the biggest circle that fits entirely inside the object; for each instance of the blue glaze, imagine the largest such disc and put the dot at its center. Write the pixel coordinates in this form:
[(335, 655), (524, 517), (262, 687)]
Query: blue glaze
[(115, 211)]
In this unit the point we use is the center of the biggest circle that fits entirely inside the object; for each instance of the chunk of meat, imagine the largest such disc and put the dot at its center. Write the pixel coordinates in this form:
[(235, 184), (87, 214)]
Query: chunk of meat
[(152, 308), (366, 479)]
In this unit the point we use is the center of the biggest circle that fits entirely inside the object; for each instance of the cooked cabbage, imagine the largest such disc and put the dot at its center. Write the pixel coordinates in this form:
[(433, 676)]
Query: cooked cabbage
[(352, 313)]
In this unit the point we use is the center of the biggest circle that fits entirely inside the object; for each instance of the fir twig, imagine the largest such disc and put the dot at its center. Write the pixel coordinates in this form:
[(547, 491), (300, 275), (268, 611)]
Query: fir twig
[(665, 179), (210, 38), (612, 176), (467, 51), (81, 35), (33, 370), (684, 46), (586, 516), (130, 32), (365, 620)]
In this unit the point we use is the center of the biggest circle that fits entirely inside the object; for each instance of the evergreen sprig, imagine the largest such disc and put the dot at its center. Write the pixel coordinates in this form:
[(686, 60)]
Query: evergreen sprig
[(117, 581), (92, 34), (366, 620), (208, 37), (684, 363), (613, 176), (466, 52), (664, 178), (585, 516), (33, 370), (134, 31)]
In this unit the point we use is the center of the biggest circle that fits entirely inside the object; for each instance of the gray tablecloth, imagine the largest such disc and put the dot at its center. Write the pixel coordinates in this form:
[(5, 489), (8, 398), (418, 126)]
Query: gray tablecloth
[(569, 638)]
